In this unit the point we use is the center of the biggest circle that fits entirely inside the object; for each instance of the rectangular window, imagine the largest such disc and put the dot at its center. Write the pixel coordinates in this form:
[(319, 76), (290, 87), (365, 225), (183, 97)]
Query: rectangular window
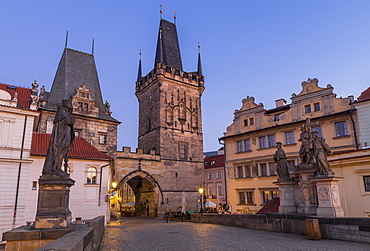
[(251, 121), (209, 175), (367, 183), (248, 171), (318, 130), (102, 139), (239, 172), (218, 175), (340, 129), (249, 195), (245, 122), (289, 138), (241, 197), (247, 145), (267, 195), (262, 141), (307, 108), (183, 150), (276, 117), (271, 140), (239, 146), (291, 165), (316, 106), (272, 168), (263, 169), (34, 185), (219, 189), (210, 190)]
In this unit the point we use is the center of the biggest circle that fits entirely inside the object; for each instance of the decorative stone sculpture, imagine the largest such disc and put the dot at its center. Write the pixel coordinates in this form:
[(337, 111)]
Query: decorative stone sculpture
[(305, 151), (281, 163), (60, 141), (321, 150)]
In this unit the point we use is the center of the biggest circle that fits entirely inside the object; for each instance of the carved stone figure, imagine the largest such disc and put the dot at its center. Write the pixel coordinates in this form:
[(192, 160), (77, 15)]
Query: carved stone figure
[(61, 140), (281, 163), (321, 150), (305, 152)]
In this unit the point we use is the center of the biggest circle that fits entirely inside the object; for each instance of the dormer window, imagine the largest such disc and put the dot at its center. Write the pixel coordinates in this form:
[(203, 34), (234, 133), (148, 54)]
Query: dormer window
[(251, 121), (245, 122), (316, 106), (307, 108)]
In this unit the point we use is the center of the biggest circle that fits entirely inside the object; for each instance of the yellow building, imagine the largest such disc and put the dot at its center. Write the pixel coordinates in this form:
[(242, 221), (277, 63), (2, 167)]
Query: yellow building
[(251, 139)]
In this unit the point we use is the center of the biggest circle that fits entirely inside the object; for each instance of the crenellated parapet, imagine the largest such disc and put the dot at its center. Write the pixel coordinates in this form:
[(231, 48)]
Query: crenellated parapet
[(168, 72)]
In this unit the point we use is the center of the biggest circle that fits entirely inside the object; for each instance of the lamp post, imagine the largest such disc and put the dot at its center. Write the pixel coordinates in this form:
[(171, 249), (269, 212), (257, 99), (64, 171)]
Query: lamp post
[(201, 190)]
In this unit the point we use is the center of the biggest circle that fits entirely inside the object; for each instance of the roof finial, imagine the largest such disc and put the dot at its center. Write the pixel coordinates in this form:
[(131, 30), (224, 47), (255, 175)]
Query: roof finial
[(139, 72), (160, 11), (92, 48), (200, 71), (174, 17), (66, 43)]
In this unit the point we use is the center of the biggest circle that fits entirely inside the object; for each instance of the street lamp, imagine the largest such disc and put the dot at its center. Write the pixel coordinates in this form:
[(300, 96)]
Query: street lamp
[(201, 190), (114, 185)]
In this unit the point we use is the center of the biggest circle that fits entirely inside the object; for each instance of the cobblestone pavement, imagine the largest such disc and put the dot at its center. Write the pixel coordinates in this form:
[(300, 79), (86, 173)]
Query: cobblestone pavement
[(155, 234)]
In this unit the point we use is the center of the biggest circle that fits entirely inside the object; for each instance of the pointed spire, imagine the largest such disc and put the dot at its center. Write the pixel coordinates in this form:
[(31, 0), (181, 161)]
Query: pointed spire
[(66, 43), (160, 11), (168, 49), (92, 47), (139, 72), (200, 72)]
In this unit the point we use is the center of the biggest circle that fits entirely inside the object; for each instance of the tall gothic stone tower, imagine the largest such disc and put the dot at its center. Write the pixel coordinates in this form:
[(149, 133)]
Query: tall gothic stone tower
[(169, 160), (170, 120)]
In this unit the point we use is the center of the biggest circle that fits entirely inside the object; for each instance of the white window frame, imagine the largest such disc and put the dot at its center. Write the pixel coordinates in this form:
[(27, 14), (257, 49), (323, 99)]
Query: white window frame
[(219, 175), (361, 173), (289, 138), (345, 129)]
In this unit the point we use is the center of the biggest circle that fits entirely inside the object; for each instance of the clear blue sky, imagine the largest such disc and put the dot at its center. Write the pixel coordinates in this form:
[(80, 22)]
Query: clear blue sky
[(258, 48)]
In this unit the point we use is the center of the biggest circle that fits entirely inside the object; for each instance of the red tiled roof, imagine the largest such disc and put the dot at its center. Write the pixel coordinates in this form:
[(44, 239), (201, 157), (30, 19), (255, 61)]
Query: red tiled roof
[(81, 149), (271, 207), (24, 94), (214, 161), (365, 95)]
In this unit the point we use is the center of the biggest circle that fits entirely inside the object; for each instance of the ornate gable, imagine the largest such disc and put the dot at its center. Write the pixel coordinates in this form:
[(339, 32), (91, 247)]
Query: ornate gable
[(83, 103)]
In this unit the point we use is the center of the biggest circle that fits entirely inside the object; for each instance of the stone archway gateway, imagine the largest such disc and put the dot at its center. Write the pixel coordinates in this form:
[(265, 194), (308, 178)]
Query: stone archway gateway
[(146, 192)]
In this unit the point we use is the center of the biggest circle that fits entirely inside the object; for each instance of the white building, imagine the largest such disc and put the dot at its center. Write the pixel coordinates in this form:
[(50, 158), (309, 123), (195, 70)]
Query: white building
[(363, 110), (88, 167), (17, 116)]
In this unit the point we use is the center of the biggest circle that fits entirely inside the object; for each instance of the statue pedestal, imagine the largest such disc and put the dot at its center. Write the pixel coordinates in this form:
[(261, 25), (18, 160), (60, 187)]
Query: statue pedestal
[(53, 202), (328, 196), (307, 196), (286, 192)]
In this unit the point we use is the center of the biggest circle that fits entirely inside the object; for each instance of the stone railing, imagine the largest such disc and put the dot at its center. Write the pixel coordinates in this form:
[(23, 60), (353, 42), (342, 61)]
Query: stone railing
[(338, 228)]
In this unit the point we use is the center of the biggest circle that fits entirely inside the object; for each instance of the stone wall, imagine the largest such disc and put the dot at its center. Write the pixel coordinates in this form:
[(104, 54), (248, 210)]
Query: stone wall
[(338, 228)]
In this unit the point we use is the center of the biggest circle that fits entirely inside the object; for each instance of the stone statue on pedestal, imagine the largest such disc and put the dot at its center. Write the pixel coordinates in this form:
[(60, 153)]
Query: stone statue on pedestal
[(281, 163), (60, 141), (305, 151), (321, 150)]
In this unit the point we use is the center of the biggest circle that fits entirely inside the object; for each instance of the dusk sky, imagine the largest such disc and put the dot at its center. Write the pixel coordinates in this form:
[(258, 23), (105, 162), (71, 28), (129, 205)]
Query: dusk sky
[(263, 49)]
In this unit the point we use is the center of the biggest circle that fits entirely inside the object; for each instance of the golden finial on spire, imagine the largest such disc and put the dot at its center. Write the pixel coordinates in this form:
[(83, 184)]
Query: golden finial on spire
[(140, 53), (174, 17), (198, 47), (161, 11)]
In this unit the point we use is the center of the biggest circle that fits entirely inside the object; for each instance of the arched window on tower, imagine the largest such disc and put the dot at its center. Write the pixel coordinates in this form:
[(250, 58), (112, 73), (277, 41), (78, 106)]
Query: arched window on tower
[(169, 116), (182, 112), (194, 121)]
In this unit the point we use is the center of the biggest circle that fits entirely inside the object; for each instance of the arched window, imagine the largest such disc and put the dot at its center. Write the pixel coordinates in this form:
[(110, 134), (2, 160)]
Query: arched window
[(91, 175)]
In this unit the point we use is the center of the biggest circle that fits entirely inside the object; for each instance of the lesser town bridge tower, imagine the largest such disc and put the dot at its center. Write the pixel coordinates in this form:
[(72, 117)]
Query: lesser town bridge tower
[(169, 158)]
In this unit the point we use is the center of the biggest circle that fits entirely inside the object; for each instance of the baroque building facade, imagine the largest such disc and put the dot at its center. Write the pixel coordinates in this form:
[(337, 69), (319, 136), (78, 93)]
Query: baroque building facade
[(250, 141), (169, 159)]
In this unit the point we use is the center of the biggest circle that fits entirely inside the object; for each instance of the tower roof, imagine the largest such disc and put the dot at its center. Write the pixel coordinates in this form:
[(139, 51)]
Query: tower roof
[(168, 49), (76, 68)]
